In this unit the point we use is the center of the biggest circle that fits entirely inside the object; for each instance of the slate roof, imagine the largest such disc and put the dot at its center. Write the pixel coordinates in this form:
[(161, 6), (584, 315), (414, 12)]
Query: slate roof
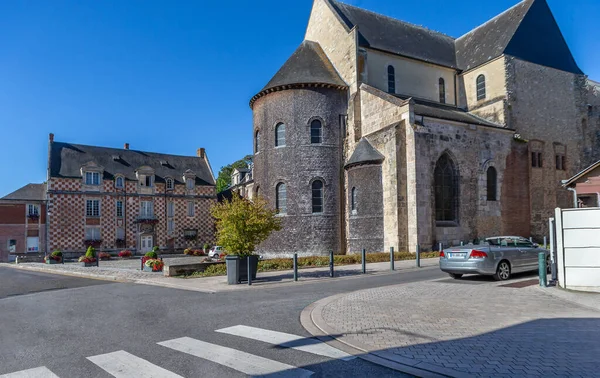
[(67, 159), (30, 192), (447, 112), (399, 37), (527, 31), (364, 153), (308, 65)]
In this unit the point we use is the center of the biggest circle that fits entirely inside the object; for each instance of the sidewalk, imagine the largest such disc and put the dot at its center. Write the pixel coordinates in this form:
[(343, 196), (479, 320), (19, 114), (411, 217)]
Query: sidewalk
[(219, 283), (465, 328)]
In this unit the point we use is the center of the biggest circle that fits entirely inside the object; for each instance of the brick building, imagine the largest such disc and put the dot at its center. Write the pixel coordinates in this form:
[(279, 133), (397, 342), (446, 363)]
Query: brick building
[(377, 133), (23, 222), (121, 198)]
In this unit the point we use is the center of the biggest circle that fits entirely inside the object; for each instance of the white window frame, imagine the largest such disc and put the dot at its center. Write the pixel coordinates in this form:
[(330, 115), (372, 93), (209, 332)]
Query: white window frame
[(170, 226), (122, 180), (35, 208), (119, 202), (11, 248), (170, 184), (93, 233), (146, 209), (191, 208), (120, 230), (171, 209), (92, 178), (190, 183), (94, 206)]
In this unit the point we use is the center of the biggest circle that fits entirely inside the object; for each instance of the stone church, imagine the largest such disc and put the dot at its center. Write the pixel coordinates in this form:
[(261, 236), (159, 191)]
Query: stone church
[(377, 133)]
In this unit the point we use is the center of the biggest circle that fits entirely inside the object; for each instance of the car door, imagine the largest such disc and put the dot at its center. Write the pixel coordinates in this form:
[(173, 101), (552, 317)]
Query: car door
[(510, 251), (528, 253)]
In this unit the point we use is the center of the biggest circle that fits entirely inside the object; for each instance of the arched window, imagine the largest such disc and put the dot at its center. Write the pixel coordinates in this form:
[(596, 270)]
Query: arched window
[(316, 132), (391, 79), (280, 198), (119, 182), (280, 135), (170, 185), (446, 190), (442, 85), (491, 184), (480, 87), (353, 200), (317, 196), (257, 141)]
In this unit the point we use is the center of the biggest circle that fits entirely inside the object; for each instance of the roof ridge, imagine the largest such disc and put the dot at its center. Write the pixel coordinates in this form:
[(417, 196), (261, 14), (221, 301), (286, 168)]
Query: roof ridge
[(396, 19), (495, 17), (121, 149)]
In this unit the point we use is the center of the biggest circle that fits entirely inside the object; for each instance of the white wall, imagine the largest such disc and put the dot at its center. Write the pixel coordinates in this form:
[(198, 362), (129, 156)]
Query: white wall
[(578, 248)]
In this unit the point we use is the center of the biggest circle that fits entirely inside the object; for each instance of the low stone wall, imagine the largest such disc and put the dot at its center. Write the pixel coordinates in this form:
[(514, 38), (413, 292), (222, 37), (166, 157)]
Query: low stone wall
[(180, 269), (29, 259)]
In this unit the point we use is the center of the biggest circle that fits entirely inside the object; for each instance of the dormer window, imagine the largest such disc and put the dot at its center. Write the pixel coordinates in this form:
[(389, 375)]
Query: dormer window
[(92, 178), (119, 182), (189, 183), (170, 184), (146, 180)]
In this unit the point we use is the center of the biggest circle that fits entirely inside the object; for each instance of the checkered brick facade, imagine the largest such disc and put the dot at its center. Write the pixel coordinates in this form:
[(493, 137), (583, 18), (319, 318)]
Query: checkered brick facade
[(68, 221)]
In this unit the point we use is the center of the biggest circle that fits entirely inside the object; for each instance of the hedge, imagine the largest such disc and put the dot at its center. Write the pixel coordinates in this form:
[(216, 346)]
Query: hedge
[(317, 261)]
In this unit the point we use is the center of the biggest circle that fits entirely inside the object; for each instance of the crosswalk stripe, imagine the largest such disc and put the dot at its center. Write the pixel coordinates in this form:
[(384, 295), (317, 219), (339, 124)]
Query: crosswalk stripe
[(287, 340), (241, 361), (39, 372), (121, 364)]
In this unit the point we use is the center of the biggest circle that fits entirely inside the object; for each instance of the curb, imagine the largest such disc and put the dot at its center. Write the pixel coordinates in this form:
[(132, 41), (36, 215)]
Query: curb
[(312, 320), (92, 276)]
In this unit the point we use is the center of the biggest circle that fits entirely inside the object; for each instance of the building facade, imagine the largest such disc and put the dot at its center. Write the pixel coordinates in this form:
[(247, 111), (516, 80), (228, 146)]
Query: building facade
[(377, 133), (23, 222), (118, 199)]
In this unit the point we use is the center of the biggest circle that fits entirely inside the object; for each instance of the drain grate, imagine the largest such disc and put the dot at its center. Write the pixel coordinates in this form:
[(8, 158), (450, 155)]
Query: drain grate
[(522, 284)]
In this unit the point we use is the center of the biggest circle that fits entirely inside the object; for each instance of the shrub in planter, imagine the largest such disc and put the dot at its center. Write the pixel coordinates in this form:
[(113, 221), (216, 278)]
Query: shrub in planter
[(125, 254), (151, 255), (206, 247), (198, 252), (188, 251), (87, 260), (154, 265), (104, 256), (54, 258), (91, 252)]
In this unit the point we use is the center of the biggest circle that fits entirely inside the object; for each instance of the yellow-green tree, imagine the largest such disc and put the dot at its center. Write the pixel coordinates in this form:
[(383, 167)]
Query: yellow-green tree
[(243, 224)]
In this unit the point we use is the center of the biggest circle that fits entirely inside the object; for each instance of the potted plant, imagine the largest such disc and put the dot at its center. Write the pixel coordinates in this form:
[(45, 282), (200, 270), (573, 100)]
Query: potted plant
[(126, 254), (241, 226), (152, 255), (206, 247), (188, 251), (89, 259), (104, 256), (153, 265), (54, 258)]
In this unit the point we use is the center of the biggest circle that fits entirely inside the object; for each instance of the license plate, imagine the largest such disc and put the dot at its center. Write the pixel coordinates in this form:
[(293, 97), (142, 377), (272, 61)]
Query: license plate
[(457, 255)]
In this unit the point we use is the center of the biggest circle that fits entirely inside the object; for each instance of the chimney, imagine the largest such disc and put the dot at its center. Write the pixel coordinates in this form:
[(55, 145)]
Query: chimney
[(51, 137), (126, 146), (200, 152)]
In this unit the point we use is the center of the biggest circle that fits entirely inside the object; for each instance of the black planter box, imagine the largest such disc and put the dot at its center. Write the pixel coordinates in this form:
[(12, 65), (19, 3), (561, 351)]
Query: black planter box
[(237, 268), (87, 265)]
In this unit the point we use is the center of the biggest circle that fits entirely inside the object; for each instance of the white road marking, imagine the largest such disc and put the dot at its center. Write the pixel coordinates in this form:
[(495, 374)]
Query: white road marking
[(244, 362), (121, 364), (39, 372), (287, 340)]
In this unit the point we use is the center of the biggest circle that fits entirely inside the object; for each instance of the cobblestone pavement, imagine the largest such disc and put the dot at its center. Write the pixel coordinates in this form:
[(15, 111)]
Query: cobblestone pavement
[(475, 328)]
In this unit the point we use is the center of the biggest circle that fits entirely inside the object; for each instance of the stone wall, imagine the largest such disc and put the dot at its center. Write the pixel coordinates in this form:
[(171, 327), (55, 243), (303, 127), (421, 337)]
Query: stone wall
[(298, 164), (413, 78), (492, 107), (365, 224)]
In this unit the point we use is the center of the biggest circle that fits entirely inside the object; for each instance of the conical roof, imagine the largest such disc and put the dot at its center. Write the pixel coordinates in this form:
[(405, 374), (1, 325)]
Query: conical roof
[(364, 153), (308, 65)]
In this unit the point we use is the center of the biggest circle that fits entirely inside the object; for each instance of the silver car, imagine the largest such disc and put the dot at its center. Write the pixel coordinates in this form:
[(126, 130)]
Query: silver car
[(499, 257)]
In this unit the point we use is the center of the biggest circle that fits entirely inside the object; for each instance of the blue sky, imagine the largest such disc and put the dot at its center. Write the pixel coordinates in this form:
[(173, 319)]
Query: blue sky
[(173, 76)]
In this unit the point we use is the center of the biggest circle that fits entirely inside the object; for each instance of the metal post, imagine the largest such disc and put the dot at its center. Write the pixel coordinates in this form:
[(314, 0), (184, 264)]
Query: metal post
[(331, 274), (364, 261), (545, 242), (542, 268), (249, 271), (462, 243), (418, 256), (295, 267), (441, 248), (531, 239), (552, 226), (392, 259)]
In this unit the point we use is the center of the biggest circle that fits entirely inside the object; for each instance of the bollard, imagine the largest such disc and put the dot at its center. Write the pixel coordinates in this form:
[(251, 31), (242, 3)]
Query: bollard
[(545, 245), (392, 259), (295, 267), (331, 274), (462, 243), (542, 268), (364, 261), (249, 271), (418, 256), (441, 248)]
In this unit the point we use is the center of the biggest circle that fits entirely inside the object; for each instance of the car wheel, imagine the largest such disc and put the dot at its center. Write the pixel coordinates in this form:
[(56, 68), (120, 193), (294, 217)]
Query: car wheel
[(503, 271), (455, 276)]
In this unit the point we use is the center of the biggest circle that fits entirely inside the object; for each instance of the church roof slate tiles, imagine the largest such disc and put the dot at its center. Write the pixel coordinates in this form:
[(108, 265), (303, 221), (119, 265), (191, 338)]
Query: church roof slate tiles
[(364, 153)]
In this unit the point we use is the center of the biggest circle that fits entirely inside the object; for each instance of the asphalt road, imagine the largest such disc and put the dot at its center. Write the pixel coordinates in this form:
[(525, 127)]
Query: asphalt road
[(57, 321)]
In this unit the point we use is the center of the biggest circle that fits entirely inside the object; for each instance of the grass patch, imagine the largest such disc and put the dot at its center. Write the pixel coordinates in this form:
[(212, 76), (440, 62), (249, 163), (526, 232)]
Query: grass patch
[(272, 265)]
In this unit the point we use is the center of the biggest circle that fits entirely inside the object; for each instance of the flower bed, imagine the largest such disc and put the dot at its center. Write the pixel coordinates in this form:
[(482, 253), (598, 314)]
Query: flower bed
[(153, 265), (125, 254), (104, 256)]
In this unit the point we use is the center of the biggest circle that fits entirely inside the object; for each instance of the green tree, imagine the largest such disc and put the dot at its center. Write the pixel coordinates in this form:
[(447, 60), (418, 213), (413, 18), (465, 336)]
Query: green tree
[(243, 224), (224, 177)]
